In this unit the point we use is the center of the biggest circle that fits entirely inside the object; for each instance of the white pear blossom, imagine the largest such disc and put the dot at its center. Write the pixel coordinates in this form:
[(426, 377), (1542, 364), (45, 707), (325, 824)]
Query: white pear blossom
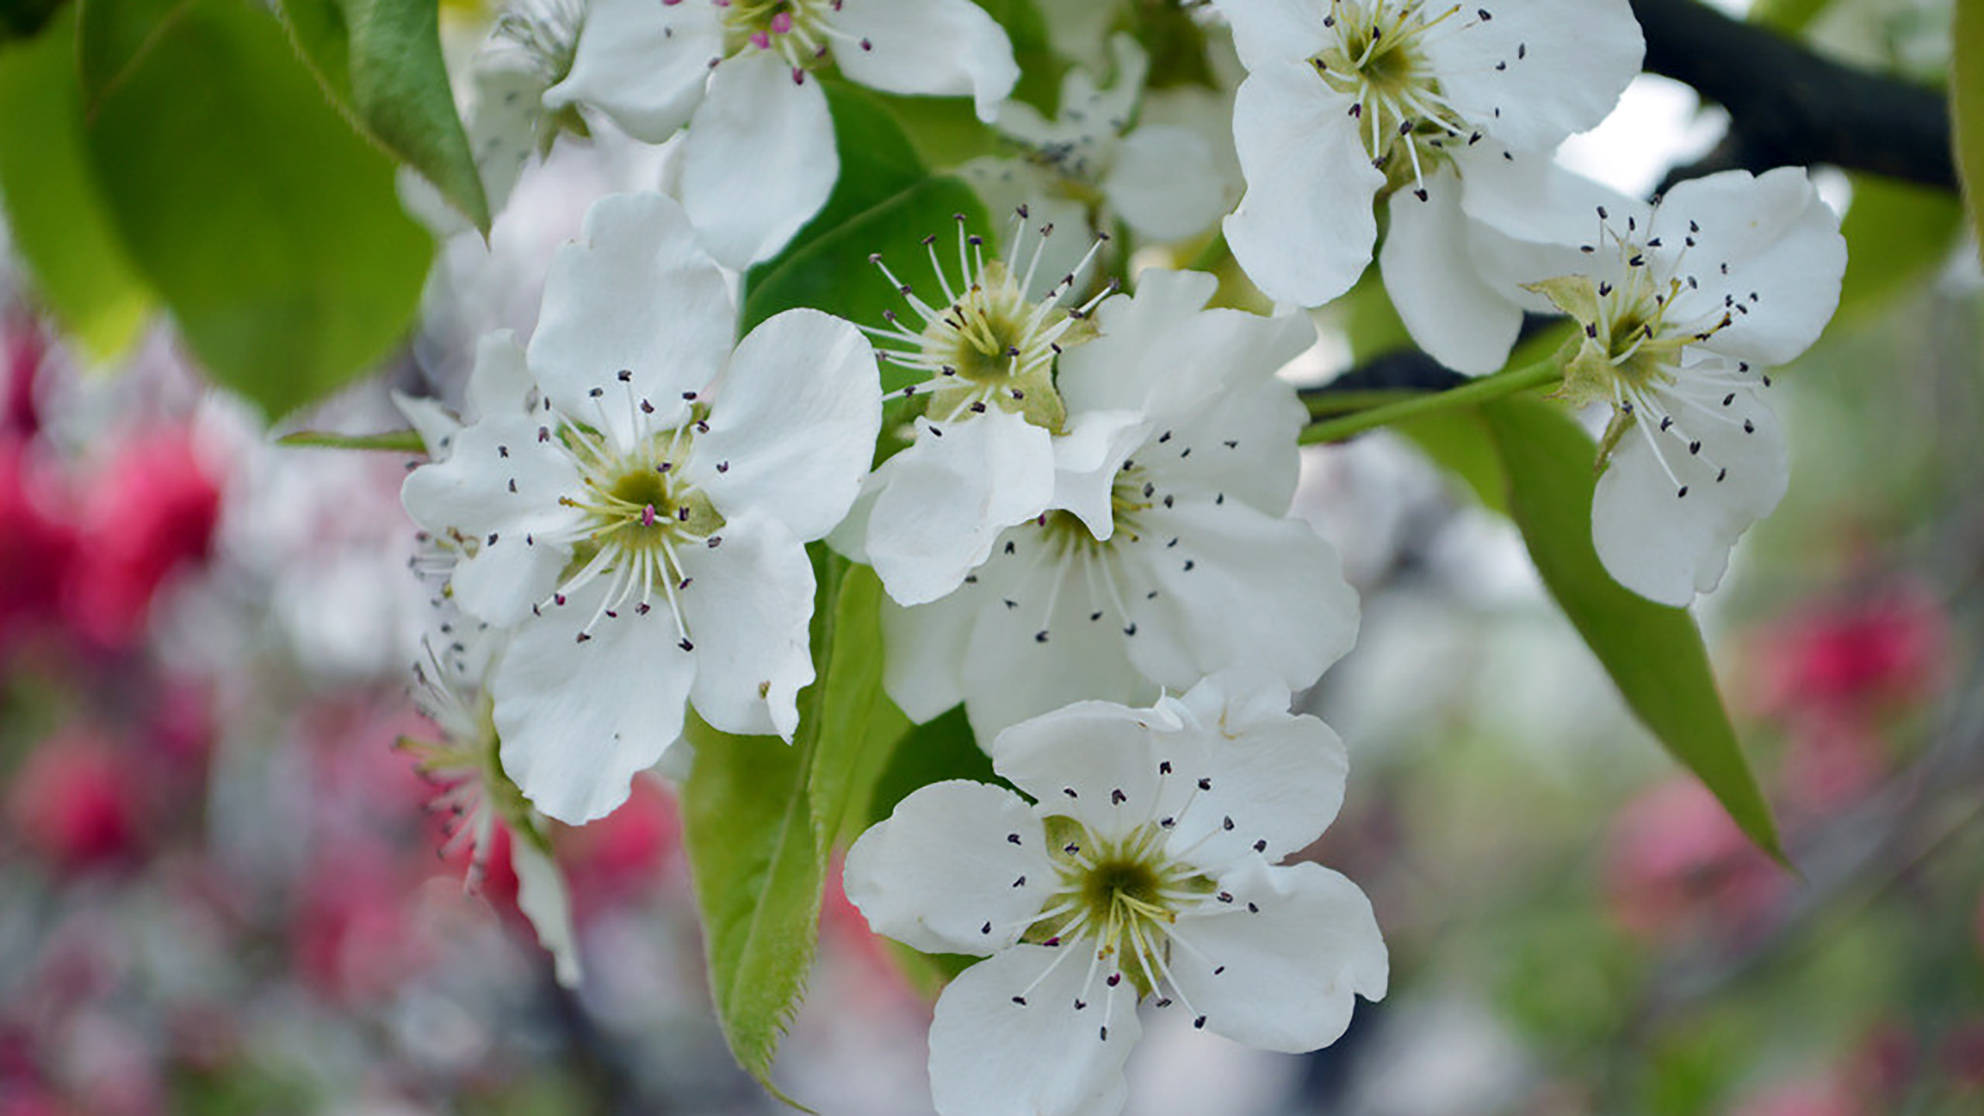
[(1349, 100), (1163, 180), (759, 157), (477, 796), (1456, 266), (1686, 306), (986, 446), (644, 528), (1167, 551), (1141, 865)]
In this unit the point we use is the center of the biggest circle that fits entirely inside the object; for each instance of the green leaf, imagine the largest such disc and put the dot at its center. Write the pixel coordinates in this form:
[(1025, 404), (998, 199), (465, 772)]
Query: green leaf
[(269, 227), (1653, 652), (759, 845), (939, 749), (380, 60), (1458, 441), (757, 870), (1967, 104), (396, 441), (885, 201), (1898, 235), (55, 209), (859, 725)]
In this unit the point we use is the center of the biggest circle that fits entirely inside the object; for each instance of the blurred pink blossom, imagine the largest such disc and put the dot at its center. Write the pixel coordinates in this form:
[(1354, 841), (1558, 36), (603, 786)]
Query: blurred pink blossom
[(74, 802), (1677, 867)]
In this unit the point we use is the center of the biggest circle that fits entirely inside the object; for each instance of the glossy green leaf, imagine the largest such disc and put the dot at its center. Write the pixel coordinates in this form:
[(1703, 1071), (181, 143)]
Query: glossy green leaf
[(1967, 103), (380, 60), (55, 209), (1653, 652), (268, 226), (885, 201), (1898, 235), (939, 749), (757, 868), (758, 846), (859, 725)]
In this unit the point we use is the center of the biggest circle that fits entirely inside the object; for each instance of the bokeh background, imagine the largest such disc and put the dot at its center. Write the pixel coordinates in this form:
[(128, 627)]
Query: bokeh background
[(223, 890)]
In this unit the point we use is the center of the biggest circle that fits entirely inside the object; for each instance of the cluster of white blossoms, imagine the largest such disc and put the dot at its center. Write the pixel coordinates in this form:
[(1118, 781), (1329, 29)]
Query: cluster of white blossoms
[(1081, 515)]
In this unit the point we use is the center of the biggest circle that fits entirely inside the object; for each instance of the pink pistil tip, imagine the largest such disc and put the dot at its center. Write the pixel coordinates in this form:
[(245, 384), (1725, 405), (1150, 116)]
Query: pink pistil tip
[(761, 39), (647, 516)]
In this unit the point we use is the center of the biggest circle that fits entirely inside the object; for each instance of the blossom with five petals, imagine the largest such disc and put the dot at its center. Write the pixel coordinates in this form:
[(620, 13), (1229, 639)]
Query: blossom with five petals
[(1350, 100), (643, 530), (1142, 864), (1685, 307)]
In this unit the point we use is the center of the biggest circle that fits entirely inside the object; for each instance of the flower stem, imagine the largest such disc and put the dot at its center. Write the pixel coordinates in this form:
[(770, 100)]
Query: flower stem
[(1479, 391)]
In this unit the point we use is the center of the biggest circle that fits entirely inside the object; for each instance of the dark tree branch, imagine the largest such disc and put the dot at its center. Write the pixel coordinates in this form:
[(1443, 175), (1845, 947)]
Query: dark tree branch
[(1789, 106)]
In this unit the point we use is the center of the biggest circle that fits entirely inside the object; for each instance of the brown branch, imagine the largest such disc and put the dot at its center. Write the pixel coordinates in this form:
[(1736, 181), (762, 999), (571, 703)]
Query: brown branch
[(1789, 106)]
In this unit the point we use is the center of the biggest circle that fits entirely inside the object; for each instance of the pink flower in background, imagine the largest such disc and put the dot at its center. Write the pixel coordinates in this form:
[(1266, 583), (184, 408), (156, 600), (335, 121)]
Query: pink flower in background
[(74, 801), (153, 510), (624, 855), (21, 350), (36, 547), (1676, 867), (1888, 646)]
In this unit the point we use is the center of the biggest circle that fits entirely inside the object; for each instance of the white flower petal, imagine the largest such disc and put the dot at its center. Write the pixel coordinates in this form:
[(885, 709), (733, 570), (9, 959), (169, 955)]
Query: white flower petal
[(945, 499), (1668, 547), (1280, 776), (944, 868), (578, 720), (634, 293), (498, 488), (1010, 673), (1304, 229), (1450, 310), (1242, 438), (759, 160), (945, 48), (1165, 182), (924, 653), (1533, 198), (1086, 459), (1780, 242), (794, 421), (1096, 761), (643, 63), (1538, 70), (1292, 971), (1267, 32), (1240, 588), (747, 607), (435, 423), (542, 898), (500, 382), (990, 1056)]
